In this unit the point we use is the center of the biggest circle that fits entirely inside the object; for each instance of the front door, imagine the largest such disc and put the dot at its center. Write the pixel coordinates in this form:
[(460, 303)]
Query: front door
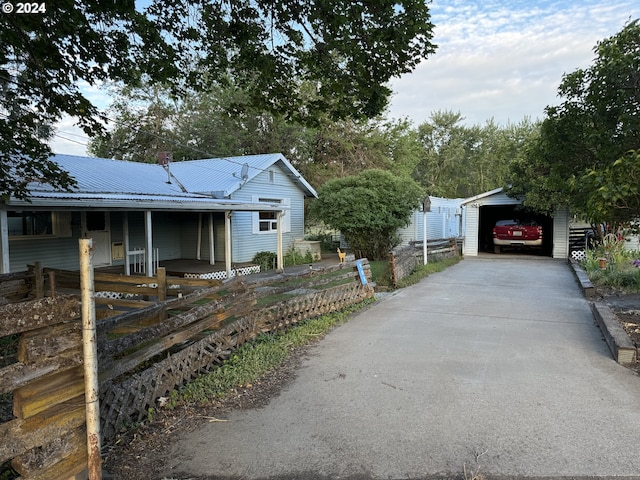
[(95, 225)]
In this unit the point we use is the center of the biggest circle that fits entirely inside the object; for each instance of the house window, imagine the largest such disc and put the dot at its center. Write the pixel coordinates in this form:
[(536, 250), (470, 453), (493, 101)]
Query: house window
[(272, 176), (267, 221), (34, 224), (27, 224)]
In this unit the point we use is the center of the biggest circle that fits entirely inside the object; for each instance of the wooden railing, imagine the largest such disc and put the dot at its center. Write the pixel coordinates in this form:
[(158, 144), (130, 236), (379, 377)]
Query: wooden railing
[(404, 260)]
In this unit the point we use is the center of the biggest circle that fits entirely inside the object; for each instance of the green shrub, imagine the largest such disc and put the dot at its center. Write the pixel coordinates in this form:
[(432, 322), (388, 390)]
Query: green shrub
[(266, 260), (293, 257)]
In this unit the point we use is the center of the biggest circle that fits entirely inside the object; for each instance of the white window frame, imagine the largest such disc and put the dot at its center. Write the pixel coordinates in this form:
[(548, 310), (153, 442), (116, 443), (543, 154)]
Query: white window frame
[(286, 216)]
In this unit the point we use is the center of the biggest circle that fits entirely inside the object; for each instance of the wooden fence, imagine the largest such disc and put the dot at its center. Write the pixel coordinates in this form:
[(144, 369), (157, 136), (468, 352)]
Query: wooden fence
[(404, 260), (179, 338)]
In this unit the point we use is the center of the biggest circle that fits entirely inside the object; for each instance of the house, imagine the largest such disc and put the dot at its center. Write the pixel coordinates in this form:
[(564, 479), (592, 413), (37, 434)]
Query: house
[(444, 220), (482, 211), (221, 210)]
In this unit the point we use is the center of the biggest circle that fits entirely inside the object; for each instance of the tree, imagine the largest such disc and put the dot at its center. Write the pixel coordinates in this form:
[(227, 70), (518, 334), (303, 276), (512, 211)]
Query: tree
[(588, 141), (200, 125), (368, 209), (460, 161), (346, 50)]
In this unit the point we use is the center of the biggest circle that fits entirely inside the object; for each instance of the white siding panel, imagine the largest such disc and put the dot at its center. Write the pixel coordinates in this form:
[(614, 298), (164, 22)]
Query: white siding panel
[(472, 226), (561, 233)]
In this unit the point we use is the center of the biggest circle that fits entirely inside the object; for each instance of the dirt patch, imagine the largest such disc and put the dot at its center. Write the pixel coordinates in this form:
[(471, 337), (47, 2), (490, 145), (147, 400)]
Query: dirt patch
[(140, 453)]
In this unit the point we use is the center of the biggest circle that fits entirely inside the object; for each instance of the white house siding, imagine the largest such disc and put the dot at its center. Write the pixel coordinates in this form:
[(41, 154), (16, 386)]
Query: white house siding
[(245, 243), (443, 221)]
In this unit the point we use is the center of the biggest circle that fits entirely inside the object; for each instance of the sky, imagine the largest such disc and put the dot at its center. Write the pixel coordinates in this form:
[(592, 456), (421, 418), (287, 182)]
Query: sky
[(499, 60)]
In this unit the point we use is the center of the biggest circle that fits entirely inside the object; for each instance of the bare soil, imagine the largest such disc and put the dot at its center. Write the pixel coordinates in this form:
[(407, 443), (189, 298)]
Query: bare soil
[(140, 453)]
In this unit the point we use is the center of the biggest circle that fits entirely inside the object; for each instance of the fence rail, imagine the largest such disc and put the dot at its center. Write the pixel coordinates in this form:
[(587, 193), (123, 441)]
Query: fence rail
[(179, 338), (403, 261)]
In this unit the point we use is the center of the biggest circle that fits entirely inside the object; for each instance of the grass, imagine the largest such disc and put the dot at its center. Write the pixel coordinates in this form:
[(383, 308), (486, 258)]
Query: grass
[(254, 360), (425, 270)]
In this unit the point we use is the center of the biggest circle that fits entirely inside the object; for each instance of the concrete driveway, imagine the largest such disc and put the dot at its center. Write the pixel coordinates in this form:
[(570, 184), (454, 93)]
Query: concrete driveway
[(493, 365)]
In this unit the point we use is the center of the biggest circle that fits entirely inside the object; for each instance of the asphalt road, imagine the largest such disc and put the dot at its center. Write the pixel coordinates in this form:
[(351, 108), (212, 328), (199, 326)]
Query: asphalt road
[(494, 365)]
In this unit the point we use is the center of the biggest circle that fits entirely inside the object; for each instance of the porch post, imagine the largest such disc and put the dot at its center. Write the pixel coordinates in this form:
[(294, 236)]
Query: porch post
[(212, 253), (279, 241), (199, 244), (125, 241), (227, 242), (5, 266), (148, 236)]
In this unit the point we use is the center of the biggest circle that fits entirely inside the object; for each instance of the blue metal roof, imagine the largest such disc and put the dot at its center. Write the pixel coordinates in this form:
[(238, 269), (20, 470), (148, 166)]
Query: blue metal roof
[(178, 185)]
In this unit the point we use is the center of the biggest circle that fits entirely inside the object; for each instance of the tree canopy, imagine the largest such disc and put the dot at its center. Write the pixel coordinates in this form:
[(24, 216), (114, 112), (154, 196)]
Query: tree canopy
[(586, 155), (368, 209), (297, 58)]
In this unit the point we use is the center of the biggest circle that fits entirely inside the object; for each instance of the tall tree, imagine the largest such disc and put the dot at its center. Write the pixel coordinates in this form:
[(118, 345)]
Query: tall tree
[(586, 140), (347, 49)]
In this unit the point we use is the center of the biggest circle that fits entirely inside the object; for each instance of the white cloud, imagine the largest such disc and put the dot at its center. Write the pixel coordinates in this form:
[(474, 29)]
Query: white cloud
[(505, 60)]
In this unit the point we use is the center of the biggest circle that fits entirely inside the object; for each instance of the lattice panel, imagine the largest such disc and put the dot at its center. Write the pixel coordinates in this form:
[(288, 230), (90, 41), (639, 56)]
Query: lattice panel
[(222, 275), (128, 402)]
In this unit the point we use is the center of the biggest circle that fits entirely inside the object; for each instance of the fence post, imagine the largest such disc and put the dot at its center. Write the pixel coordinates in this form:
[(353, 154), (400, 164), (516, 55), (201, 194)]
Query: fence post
[(90, 357), (39, 280), (162, 283)]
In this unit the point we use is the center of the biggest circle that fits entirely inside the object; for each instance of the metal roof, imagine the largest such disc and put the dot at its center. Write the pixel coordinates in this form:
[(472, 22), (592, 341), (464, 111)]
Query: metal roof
[(192, 185), (226, 174)]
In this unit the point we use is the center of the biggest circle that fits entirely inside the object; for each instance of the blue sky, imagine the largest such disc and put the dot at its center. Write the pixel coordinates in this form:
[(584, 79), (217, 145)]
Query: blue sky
[(500, 60), (505, 59)]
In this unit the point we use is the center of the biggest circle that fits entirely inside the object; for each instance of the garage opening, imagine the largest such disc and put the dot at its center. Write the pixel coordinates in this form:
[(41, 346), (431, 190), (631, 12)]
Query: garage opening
[(490, 214)]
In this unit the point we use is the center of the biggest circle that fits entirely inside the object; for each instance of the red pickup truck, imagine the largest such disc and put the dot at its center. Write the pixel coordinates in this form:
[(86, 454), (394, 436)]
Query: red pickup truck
[(516, 233)]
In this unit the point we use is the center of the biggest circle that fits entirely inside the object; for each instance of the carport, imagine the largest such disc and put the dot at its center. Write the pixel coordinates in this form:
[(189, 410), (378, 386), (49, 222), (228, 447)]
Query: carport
[(482, 211)]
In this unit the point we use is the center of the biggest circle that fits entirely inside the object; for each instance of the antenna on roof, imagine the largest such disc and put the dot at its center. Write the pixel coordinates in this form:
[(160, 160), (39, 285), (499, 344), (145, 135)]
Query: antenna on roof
[(244, 174)]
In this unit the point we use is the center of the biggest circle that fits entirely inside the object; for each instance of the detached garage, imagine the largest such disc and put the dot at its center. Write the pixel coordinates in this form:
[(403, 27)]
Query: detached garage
[(484, 210)]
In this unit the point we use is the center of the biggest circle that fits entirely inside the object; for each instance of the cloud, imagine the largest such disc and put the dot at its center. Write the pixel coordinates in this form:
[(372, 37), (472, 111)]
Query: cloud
[(505, 60)]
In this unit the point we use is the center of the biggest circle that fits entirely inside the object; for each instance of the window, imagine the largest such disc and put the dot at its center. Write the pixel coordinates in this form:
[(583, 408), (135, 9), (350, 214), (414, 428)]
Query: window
[(267, 221), (23, 224), (29, 224)]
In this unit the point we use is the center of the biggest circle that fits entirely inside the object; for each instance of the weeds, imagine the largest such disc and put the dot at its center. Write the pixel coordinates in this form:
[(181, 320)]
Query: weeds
[(621, 270)]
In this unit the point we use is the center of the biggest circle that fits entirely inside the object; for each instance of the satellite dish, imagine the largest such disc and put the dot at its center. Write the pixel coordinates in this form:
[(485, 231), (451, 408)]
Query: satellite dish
[(244, 174)]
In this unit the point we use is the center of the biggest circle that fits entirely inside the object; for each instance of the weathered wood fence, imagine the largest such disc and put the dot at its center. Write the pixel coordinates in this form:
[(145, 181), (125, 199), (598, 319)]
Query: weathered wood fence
[(404, 260), (143, 355)]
